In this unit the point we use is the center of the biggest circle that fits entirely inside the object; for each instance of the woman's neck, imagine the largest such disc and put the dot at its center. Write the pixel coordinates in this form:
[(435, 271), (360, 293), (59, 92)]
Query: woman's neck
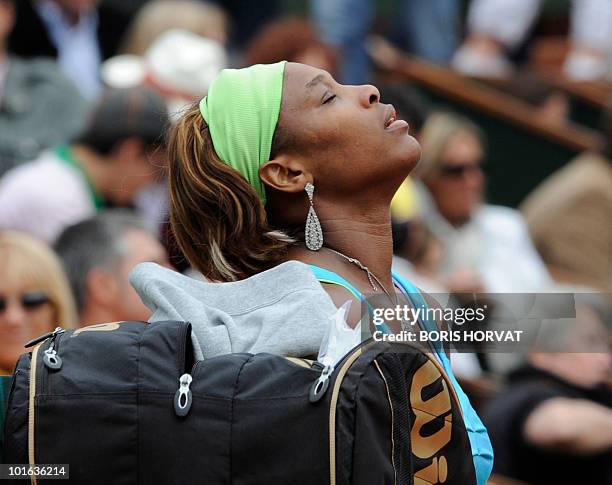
[(369, 242), (363, 235)]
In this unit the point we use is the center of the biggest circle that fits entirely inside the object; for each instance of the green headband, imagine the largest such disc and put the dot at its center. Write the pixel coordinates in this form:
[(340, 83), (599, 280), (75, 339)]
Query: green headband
[(241, 111)]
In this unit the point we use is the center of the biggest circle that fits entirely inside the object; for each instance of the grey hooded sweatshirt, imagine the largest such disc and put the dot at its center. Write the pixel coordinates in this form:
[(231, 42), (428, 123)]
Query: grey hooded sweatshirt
[(284, 310)]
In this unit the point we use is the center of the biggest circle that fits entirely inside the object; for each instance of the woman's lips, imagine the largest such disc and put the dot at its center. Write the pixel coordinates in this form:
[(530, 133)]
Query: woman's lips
[(391, 115), (391, 122), (397, 125)]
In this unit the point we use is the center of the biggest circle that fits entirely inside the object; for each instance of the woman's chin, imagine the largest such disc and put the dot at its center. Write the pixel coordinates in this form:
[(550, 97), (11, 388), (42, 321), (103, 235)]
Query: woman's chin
[(411, 153)]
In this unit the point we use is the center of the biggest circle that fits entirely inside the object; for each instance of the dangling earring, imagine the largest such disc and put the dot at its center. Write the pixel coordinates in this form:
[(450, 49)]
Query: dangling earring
[(313, 233)]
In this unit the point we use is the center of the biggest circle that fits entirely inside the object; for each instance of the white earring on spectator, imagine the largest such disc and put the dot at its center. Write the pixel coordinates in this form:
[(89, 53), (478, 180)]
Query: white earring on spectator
[(313, 234)]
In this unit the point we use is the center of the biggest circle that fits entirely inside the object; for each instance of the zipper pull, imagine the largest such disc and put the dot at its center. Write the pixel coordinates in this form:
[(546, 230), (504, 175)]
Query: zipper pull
[(37, 340), (317, 365), (183, 398), (319, 387), (51, 359)]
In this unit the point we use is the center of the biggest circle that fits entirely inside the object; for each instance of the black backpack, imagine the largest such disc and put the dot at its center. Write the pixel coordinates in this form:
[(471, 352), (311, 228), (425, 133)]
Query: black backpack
[(125, 403)]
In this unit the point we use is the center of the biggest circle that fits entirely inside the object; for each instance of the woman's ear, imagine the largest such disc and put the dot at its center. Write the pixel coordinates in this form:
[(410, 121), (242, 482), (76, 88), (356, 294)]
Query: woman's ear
[(285, 174)]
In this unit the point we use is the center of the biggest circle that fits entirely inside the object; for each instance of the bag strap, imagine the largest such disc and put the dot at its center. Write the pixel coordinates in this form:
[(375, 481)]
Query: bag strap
[(327, 276), (416, 298), (408, 288)]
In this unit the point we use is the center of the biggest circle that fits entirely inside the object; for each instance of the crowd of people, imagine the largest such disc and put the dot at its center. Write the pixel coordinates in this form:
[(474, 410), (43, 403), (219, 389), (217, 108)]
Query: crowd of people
[(89, 90)]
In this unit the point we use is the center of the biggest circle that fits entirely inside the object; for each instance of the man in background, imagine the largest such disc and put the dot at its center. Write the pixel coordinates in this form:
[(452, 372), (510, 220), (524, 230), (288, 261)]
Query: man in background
[(118, 154), (39, 106), (80, 34), (98, 255), (553, 422), (497, 28)]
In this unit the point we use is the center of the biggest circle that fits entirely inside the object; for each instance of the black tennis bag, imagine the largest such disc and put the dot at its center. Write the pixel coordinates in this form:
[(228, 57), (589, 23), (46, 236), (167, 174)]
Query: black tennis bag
[(125, 403)]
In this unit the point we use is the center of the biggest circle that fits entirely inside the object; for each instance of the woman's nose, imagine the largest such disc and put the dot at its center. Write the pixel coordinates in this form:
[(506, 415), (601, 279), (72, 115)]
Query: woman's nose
[(13, 315), (474, 178), (369, 95)]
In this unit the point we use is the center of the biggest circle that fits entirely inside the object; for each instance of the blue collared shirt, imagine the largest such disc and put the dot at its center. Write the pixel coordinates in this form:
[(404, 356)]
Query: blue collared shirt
[(77, 45)]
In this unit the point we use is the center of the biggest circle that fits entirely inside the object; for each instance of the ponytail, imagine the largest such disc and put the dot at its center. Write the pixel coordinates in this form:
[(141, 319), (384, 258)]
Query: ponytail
[(218, 219)]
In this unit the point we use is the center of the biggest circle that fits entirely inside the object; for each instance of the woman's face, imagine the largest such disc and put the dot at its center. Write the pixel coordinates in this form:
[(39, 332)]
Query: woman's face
[(25, 313), (457, 185), (344, 135)]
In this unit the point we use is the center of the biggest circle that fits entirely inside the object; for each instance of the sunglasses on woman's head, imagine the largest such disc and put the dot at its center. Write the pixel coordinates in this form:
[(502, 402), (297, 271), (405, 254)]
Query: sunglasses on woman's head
[(30, 300)]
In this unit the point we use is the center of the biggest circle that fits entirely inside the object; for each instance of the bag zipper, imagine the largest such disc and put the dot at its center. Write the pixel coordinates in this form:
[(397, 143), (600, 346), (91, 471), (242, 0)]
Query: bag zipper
[(38, 342), (51, 359), (392, 418), (31, 409), (183, 397), (182, 350), (307, 363), (44, 337)]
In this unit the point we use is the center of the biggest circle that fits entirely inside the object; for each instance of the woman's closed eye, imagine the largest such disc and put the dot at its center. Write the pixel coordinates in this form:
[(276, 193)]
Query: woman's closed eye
[(329, 98)]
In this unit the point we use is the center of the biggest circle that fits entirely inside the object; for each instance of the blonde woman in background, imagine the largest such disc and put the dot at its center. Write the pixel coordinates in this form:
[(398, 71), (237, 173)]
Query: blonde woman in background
[(486, 247), (153, 19), (34, 295)]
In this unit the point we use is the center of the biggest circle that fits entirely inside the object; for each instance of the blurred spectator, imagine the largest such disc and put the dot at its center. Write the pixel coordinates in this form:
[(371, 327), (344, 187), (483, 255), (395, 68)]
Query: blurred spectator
[(98, 255), (553, 423), (294, 40), (179, 66), (80, 34), (417, 256), (34, 295), (158, 16), (39, 107), (431, 30), (116, 156), (127, 7), (249, 17), (552, 106), (415, 248), (497, 27), (570, 217), (486, 248), (417, 253)]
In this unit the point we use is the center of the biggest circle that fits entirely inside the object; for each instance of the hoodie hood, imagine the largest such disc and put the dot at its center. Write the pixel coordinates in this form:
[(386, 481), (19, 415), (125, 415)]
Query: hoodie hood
[(283, 311)]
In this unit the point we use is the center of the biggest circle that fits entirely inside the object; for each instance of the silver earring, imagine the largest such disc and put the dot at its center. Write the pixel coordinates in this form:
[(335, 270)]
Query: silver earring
[(313, 233)]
